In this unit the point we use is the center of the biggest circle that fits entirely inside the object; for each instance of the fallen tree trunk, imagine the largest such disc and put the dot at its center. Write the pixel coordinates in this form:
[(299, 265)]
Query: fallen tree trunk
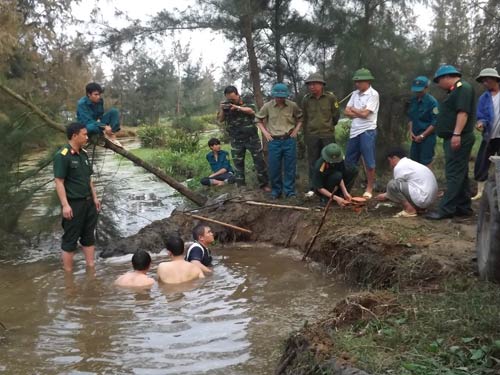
[(199, 199)]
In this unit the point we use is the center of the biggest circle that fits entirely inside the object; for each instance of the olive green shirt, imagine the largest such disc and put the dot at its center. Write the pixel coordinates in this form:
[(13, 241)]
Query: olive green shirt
[(460, 99), (280, 120), (320, 114), (76, 170)]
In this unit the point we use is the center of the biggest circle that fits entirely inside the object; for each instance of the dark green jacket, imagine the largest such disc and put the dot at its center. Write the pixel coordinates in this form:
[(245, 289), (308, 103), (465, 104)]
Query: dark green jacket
[(460, 98), (320, 115)]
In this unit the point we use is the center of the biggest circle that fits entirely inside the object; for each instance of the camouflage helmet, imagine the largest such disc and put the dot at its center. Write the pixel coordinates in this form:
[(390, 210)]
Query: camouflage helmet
[(363, 74), (315, 77)]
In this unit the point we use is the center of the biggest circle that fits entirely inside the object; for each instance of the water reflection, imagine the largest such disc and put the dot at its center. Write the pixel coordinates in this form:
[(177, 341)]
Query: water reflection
[(229, 323)]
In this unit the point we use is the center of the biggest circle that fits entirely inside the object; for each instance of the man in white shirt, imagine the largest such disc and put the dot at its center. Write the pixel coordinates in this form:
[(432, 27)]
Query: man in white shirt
[(414, 185), (362, 108)]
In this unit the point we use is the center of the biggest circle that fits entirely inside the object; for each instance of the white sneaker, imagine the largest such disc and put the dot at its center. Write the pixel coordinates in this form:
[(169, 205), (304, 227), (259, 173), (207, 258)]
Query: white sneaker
[(309, 194)]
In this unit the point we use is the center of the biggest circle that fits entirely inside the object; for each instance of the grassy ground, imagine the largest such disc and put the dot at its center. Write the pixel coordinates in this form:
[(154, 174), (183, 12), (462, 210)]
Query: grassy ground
[(453, 331)]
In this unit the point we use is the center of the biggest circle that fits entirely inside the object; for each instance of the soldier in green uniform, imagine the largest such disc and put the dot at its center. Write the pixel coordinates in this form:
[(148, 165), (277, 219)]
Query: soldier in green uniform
[(320, 115), (76, 192), (331, 177), (239, 118), (455, 124)]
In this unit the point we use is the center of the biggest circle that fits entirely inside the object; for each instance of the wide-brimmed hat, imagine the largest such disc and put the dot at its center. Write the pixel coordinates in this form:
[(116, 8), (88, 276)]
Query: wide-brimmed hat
[(487, 72), (363, 74), (419, 84), (445, 70), (332, 153), (315, 77)]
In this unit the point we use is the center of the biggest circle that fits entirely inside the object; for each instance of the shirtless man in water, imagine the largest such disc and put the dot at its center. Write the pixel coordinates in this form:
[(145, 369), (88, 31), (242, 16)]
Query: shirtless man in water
[(177, 270), (141, 261)]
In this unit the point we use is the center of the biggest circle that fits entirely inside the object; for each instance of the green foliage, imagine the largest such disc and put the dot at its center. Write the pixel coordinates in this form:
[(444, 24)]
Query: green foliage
[(453, 332), (175, 140), (188, 124), (342, 131)]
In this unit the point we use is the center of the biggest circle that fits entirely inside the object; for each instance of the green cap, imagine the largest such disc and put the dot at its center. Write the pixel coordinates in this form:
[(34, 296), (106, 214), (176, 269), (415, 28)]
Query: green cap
[(315, 77), (332, 153), (363, 74)]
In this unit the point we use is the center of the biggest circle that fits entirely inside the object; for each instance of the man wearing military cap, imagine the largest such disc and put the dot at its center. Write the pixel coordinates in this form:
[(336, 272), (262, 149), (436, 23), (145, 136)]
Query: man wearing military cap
[(280, 120), (320, 115), (362, 108), (488, 122), (331, 177), (422, 113), (76, 192), (455, 124)]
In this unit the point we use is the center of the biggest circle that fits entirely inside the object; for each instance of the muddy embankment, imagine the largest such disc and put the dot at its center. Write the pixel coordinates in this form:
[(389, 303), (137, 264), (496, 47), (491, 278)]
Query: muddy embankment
[(368, 248)]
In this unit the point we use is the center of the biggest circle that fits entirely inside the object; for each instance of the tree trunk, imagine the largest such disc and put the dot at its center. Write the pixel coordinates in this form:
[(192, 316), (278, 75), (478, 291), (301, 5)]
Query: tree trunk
[(246, 28), (280, 75), (199, 199)]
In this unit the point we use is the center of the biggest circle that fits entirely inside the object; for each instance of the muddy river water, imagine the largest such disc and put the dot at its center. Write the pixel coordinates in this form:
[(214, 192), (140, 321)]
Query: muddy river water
[(230, 323)]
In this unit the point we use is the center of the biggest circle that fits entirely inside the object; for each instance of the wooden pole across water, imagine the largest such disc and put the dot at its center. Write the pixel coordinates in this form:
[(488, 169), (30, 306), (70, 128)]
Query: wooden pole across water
[(199, 199)]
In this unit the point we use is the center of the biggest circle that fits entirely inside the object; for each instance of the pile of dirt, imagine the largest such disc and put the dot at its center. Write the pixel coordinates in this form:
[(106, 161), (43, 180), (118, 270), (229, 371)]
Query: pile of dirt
[(308, 351)]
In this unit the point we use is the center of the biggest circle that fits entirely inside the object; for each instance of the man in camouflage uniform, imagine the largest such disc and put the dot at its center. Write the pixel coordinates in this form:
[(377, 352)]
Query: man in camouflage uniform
[(321, 114), (239, 118)]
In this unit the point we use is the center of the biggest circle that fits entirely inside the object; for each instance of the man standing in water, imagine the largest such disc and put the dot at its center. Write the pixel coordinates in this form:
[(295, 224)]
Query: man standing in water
[(77, 194), (178, 270), (198, 253)]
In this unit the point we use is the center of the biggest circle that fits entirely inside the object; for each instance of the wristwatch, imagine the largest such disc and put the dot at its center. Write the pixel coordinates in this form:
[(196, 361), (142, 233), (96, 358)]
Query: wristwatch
[(422, 136)]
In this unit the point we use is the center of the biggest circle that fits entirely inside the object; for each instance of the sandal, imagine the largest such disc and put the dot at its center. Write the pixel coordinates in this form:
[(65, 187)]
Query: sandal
[(367, 195), (405, 214)]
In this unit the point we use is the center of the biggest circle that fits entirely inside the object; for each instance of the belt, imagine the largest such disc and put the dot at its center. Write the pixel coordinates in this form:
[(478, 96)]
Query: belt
[(80, 199), (281, 137)]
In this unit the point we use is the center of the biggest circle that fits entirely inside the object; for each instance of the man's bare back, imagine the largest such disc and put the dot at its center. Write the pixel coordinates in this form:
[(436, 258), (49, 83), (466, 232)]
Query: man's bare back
[(178, 271), (134, 279)]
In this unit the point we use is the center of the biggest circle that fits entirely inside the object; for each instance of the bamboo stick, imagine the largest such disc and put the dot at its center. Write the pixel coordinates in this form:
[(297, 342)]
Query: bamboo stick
[(218, 222), (255, 203)]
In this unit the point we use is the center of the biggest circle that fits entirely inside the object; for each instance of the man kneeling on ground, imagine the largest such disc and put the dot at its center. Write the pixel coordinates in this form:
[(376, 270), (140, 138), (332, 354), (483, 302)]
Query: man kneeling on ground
[(141, 261), (414, 185), (332, 178), (219, 163), (198, 253), (178, 270)]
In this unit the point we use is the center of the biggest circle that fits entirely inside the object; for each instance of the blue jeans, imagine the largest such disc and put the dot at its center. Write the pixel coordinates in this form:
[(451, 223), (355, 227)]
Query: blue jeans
[(282, 152), (363, 144)]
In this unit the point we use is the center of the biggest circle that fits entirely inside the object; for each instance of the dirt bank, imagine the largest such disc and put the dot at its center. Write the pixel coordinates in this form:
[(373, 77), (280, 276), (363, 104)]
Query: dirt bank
[(368, 248)]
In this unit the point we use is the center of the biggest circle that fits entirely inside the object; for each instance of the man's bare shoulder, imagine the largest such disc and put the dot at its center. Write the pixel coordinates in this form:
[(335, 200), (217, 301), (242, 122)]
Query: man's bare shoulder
[(131, 280)]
